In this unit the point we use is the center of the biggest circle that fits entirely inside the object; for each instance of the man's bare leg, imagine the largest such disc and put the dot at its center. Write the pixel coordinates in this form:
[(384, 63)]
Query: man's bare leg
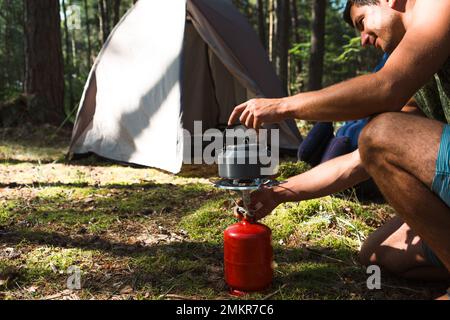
[(396, 248), (399, 151)]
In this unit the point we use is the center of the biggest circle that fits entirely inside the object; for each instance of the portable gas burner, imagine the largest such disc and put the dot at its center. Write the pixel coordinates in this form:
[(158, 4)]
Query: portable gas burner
[(245, 187), (248, 254)]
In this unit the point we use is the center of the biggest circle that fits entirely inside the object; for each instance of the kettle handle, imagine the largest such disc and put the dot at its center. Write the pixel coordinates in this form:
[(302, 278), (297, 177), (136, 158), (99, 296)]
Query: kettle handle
[(230, 127)]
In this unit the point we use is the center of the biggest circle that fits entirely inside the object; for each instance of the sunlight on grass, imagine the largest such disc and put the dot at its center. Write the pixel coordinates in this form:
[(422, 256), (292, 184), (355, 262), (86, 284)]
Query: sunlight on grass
[(210, 220), (142, 233), (47, 260)]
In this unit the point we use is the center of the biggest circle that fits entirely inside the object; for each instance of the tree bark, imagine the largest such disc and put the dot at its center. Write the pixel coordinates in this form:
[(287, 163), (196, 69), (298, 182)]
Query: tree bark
[(7, 41), (117, 4), (44, 59), (104, 18), (281, 39), (317, 45), (271, 12), (69, 54), (297, 36), (88, 35), (262, 23)]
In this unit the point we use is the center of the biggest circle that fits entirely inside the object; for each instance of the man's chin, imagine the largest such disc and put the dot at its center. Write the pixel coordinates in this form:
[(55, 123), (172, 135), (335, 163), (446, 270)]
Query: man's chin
[(387, 50), (380, 48)]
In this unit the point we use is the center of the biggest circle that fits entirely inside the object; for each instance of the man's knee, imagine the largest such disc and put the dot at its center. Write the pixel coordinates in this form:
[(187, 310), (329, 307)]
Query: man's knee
[(377, 136), (367, 255)]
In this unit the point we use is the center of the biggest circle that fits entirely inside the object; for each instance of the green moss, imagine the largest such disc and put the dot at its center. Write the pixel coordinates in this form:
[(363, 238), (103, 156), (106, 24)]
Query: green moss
[(61, 206), (188, 269), (290, 169), (282, 222), (47, 205), (164, 262), (99, 208), (209, 221), (43, 267), (45, 260), (7, 211)]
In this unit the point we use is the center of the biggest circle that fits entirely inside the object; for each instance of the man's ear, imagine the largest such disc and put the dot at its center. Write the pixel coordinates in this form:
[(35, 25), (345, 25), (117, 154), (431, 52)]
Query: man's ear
[(398, 5), (392, 3)]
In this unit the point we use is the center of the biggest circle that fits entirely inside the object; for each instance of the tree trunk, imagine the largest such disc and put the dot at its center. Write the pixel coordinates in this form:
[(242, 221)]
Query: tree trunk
[(69, 55), (108, 16), (24, 43), (271, 11), (75, 64), (117, 4), (262, 23), (44, 59), (297, 36), (281, 39), (88, 35), (104, 19), (8, 38), (317, 45)]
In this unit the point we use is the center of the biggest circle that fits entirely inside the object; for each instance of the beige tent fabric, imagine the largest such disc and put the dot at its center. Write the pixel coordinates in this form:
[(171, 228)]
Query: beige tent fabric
[(157, 73), (198, 94), (138, 90), (209, 91), (229, 91), (236, 45)]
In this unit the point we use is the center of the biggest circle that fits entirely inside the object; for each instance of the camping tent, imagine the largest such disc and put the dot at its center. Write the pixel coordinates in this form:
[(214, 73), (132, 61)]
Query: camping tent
[(165, 65)]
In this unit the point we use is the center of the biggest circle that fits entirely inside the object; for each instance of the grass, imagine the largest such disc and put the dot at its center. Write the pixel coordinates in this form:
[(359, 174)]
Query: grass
[(141, 233)]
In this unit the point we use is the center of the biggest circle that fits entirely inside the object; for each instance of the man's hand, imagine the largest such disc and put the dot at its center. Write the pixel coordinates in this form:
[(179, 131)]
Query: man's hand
[(263, 202), (255, 112)]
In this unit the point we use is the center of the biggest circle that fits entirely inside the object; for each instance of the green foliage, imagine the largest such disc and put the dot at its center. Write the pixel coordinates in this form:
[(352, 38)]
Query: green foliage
[(343, 59), (290, 169), (135, 238), (351, 49), (210, 220), (337, 45), (11, 49)]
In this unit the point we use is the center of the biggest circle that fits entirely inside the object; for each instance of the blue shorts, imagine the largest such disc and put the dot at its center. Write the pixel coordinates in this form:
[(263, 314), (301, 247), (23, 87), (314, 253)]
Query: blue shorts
[(441, 184), (441, 181)]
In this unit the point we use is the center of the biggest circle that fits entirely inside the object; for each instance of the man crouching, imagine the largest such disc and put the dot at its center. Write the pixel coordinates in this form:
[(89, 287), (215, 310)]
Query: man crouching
[(406, 146)]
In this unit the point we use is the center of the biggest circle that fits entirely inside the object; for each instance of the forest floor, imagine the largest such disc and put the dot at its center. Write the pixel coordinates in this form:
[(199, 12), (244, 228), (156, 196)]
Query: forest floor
[(139, 233)]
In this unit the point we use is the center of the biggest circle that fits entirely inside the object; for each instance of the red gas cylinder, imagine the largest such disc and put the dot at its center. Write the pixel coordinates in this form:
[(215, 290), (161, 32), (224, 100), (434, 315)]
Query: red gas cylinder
[(248, 257)]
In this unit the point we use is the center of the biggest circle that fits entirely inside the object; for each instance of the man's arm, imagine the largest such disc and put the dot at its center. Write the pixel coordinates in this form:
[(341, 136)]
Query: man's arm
[(328, 178), (333, 176), (423, 50), (412, 108)]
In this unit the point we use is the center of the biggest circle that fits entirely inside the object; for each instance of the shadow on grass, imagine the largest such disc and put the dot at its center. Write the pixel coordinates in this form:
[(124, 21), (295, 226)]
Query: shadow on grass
[(131, 186), (199, 171), (195, 269), (99, 209), (191, 268)]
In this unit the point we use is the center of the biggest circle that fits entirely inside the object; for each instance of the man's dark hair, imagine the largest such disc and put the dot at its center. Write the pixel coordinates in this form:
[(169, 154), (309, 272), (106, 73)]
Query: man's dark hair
[(358, 3)]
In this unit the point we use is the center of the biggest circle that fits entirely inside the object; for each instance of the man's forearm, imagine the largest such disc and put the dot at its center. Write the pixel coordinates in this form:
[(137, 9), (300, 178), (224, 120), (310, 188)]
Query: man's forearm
[(328, 178), (354, 99)]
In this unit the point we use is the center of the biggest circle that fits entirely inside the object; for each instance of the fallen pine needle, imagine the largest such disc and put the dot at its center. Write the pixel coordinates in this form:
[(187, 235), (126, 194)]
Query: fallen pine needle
[(274, 293), (178, 297), (162, 296)]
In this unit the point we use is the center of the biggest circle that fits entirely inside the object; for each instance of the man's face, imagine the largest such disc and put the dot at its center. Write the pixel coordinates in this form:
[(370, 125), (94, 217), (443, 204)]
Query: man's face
[(380, 25)]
